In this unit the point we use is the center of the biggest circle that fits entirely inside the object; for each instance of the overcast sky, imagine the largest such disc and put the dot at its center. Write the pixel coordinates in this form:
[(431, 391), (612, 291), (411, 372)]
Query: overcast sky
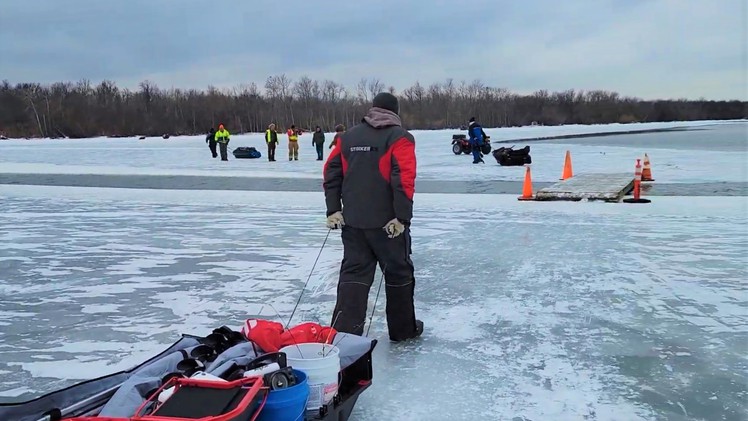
[(645, 48)]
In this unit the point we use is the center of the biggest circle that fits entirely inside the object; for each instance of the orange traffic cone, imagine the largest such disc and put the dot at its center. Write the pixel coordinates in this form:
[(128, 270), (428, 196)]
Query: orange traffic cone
[(567, 167), (637, 185), (527, 186), (647, 171)]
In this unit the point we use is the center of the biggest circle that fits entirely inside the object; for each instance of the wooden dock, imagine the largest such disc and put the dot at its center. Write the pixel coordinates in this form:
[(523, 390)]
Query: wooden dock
[(604, 187)]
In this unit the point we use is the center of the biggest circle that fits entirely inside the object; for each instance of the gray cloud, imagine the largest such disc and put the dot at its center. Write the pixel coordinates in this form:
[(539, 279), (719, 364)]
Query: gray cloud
[(645, 48)]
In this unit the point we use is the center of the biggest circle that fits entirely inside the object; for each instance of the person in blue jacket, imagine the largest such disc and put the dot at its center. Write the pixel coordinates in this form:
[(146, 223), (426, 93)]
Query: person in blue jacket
[(477, 135)]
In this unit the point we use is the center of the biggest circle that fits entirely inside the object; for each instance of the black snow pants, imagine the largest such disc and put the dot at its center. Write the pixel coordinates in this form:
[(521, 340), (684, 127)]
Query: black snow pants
[(362, 250), (212, 146), (271, 151), (224, 151), (320, 151)]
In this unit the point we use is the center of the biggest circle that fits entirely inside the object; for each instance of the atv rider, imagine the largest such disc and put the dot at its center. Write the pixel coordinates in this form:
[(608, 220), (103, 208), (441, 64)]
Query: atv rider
[(477, 136)]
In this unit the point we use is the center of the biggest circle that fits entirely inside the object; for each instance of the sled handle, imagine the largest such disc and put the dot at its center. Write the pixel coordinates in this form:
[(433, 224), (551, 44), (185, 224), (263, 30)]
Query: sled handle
[(253, 384)]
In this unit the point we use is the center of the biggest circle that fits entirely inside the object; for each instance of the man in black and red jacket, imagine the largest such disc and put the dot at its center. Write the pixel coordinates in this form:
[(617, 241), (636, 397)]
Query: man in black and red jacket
[(369, 181)]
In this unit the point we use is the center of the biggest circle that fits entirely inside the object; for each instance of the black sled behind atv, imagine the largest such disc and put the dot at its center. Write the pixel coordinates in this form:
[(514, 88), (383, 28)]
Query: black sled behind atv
[(508, 157), (461, 144)]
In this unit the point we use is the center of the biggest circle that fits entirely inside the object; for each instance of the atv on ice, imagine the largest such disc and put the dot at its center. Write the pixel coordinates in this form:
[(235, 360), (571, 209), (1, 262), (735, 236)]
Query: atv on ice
[(461, 144)]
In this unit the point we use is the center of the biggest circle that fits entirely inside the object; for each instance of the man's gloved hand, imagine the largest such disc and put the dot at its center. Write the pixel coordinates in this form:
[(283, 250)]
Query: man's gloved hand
[(394, 228), (335, 220)]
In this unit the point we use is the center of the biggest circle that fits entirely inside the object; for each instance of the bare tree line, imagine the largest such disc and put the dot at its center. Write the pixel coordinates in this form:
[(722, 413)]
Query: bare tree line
[(67, 109)]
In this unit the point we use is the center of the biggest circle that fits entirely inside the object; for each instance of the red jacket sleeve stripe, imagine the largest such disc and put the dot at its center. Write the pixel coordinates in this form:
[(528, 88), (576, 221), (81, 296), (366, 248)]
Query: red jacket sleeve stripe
[(333, 155), (404, 154)]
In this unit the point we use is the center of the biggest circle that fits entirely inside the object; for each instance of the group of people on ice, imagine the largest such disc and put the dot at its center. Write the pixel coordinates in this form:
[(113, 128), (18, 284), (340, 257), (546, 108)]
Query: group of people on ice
[(222, 138), (318, 141)]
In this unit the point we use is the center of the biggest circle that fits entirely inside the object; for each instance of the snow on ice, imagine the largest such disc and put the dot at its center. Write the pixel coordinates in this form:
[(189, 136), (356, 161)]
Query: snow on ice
[(533, 311), (186, 155)]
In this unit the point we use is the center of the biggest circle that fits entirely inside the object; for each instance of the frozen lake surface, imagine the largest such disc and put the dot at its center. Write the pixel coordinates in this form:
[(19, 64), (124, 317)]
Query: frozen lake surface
[(571, 310), (677, 156), (533, 311)]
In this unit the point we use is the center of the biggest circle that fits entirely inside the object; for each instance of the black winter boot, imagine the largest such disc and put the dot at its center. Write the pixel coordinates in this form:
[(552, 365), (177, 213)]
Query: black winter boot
[(418, 332), (419, 328)]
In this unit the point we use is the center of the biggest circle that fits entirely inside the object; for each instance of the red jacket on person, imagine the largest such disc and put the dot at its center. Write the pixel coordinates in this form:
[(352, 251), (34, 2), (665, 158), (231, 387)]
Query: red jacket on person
[(371, 173)]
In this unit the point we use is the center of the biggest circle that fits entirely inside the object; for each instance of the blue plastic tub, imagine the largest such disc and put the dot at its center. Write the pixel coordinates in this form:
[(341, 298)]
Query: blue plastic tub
[(287, 404)]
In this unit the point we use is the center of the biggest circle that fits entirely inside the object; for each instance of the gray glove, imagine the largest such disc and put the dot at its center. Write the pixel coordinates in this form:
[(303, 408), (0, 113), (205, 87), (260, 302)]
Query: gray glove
[(335, 221), (394, 228)]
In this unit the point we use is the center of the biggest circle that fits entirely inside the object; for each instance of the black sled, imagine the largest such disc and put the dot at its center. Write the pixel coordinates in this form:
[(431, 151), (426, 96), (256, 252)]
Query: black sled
[(84, 401), (508, 157), (244, 152)]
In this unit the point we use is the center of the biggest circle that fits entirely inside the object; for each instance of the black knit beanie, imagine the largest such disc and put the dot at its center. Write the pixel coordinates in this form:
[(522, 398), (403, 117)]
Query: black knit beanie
[(387, 101)]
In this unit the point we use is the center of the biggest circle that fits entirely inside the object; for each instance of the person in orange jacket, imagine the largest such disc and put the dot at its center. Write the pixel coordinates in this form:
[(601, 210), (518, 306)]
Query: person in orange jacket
[(293, 143)]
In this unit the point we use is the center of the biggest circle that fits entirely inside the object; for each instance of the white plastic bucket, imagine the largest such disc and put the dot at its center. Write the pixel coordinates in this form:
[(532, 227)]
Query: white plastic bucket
[(321, 364)]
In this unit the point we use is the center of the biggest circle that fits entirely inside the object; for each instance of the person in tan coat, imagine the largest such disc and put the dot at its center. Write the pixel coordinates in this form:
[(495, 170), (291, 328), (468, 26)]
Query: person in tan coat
[(293, 143)]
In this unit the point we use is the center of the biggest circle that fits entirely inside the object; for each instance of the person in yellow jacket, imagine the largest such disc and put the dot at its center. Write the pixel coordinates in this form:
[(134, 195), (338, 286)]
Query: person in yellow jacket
[(271, 138), (222, 138), (293, 143)]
